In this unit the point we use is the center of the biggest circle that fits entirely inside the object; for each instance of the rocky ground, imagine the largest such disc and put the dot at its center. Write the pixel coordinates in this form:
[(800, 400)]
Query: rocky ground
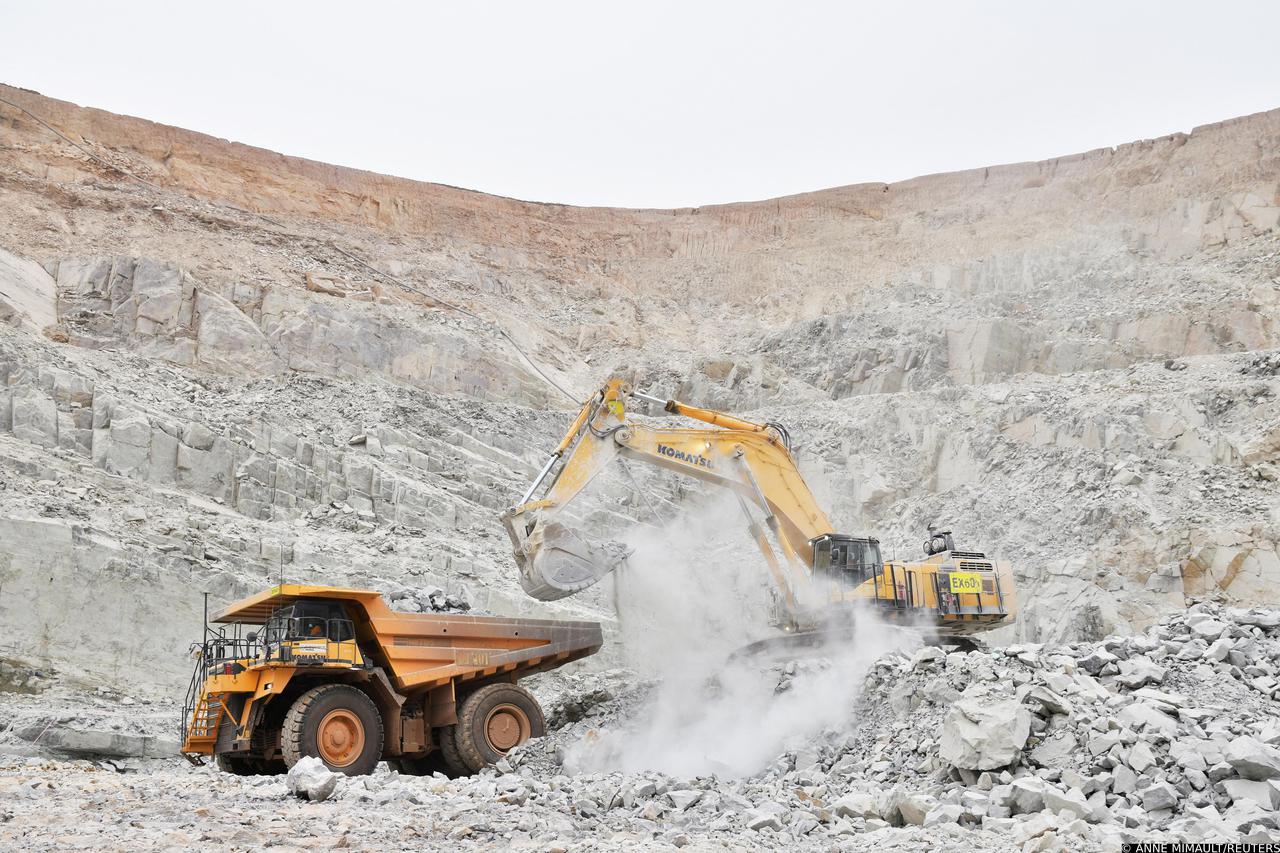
[(221, 367), (1169, 735)]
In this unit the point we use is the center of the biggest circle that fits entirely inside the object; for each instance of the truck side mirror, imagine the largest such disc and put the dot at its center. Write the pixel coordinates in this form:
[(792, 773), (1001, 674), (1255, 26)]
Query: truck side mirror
[(251, 637)]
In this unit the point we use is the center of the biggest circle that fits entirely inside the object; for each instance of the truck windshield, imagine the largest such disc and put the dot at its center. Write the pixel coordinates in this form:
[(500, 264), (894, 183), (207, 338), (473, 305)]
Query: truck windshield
[(310, 620)]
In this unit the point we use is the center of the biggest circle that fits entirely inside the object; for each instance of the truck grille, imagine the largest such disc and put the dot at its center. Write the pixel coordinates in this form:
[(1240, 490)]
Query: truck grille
[(973, 566)]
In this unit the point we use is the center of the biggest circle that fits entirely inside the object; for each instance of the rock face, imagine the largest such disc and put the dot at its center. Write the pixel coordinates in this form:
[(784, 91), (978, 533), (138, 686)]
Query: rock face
[(984, 730), (27, 296), (1070, 362)]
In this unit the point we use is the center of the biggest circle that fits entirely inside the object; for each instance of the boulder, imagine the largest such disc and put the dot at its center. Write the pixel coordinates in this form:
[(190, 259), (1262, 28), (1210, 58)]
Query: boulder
[(950, 813), (1123, 780), (1093, 662), (759, 819), (1252, 758), (1055, 750), (311, 779), (1046, 702), (915, 807), (1138, 671), (1028, 794), (683, 799), (1208, 630), (1071, 801), (1265, 794), (1141, 715), (1190, 754), (856, 804), (1159, 796), (984, 730), (1140, 758)]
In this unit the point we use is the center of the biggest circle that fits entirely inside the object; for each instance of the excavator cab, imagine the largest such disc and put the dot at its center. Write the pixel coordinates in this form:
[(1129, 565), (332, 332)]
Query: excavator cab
[(848, 560)]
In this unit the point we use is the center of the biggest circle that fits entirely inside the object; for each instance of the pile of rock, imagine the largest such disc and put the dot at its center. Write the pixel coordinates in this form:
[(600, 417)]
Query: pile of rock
[(426, 601), (1173, 734)]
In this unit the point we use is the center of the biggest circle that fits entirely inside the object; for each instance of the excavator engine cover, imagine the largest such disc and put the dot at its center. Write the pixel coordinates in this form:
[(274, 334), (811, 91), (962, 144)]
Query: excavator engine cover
[(557, 562)]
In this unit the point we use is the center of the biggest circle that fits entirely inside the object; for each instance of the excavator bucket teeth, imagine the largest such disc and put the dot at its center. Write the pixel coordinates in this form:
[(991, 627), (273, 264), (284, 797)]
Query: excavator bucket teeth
[(557, 562)]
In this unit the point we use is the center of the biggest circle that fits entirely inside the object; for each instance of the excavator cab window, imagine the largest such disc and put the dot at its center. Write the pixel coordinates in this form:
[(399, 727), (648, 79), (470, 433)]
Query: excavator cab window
[(849, 560)]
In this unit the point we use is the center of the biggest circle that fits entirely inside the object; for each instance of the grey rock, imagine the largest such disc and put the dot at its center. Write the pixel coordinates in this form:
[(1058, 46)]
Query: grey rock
[(1124, 780), (310, 779), (1071, 801), (1265, 794), (1140, 758), (984, 730), (1209, 629), (1028, 794), (1138, 671), (915, 806), (1094, 662), (758, 819), (944, 814), (682, 800), (1147, 717), (1253, 759), (1158, 796), (859, 804)]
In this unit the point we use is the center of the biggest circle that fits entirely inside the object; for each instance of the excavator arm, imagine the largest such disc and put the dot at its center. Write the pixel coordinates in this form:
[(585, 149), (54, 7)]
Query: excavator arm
[(749, 459), (957, 592)]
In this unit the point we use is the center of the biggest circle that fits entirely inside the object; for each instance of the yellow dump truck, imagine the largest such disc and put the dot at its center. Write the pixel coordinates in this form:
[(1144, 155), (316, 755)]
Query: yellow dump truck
[(335, 673)]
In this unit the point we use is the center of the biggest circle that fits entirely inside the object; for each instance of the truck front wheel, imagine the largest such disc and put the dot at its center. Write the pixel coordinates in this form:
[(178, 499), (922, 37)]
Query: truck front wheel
[(495, 720), (338, 724)]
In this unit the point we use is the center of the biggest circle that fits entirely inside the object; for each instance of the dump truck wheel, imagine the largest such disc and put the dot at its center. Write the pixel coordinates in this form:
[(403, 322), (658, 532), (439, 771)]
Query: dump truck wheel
[(454, 765), (338, 724), (237, 765), (495, 720)]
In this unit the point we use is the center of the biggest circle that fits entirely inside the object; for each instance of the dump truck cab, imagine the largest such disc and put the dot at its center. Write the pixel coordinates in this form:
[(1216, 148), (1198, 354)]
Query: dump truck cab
[(311, 631), (335, 673)]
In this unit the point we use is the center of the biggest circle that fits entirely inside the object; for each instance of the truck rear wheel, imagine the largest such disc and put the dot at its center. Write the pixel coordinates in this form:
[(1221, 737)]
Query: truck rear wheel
[(495, 720), (453, 762), (338, 724)]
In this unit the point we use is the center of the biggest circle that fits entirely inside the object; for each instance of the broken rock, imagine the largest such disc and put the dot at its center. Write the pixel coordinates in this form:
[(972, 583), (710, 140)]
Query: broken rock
[(310, 779), (1253, 759), (984, 730)]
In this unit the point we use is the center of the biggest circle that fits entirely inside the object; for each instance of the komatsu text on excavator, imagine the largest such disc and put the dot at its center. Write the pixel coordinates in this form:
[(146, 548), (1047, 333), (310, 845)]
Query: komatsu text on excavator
[(820, 575)]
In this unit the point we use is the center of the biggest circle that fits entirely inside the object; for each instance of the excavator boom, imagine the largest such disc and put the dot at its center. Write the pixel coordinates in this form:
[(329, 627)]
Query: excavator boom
[(812, 566)]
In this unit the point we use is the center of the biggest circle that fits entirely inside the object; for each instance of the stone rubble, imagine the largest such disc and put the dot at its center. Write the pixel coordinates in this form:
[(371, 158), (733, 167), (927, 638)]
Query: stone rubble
[(1075, 368), (1193, 755)]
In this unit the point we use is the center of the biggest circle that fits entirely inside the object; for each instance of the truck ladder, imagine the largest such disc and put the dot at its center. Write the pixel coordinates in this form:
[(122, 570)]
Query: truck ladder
[(205, 719)]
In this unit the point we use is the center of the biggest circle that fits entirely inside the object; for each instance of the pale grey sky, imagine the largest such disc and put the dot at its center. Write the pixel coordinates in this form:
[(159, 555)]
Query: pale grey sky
[(657, 104)]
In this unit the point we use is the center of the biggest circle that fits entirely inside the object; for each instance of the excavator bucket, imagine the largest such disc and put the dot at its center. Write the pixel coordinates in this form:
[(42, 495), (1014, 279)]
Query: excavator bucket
[(555, 562)]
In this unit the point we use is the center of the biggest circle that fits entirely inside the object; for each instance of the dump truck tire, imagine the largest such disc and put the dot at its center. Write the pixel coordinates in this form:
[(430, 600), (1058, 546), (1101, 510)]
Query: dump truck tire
[(338, 724), (449, 752), (495, 720)]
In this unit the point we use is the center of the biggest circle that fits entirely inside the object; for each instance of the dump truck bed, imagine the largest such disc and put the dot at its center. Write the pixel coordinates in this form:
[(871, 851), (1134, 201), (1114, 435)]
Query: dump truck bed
[(424, 650)]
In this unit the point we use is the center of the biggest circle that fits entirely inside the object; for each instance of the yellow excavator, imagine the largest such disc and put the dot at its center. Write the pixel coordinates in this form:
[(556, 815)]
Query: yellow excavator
[(821, 577)]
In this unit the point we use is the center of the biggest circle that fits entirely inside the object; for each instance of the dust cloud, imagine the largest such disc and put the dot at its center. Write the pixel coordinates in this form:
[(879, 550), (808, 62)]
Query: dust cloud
[(690, 595)]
